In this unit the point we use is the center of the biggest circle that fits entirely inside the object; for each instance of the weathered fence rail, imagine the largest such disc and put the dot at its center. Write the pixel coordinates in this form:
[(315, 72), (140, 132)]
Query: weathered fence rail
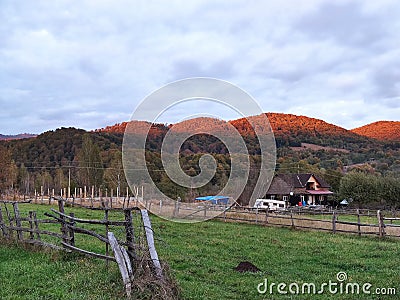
[(133, 244), (335, 221), (356, 221)]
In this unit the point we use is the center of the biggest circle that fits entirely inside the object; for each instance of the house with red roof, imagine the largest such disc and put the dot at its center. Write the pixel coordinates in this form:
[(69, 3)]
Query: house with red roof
[(306, 188)]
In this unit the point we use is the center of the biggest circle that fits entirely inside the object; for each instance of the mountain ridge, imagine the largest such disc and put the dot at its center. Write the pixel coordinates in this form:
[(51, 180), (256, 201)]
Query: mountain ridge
[(5, 137), (380, 130), (282, 125)]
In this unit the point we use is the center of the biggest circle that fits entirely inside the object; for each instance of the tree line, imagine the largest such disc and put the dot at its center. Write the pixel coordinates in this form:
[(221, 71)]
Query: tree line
[(88, 167), (68, 155)]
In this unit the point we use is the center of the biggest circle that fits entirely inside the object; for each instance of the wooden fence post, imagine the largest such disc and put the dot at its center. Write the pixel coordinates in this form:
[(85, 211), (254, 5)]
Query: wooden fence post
[(266, 216), (10, 221), (71, 231), (358, 222), (150, 243), (292, 220), (175, 209), (130, 236), (256, 215), (2, 224), (63, 224), (36, 223), (334, 218), (17, 221), (31, 226), (107, 228), (381, 224), (124, 267)]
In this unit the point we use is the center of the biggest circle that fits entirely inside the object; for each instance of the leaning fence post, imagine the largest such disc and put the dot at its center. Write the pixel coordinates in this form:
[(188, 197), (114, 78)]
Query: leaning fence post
[(17, 221), (150, 243), (122, 263)]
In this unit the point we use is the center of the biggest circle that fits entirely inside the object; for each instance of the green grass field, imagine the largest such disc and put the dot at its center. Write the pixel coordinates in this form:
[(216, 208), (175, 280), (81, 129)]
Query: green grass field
[(202, 258), (26, 273)]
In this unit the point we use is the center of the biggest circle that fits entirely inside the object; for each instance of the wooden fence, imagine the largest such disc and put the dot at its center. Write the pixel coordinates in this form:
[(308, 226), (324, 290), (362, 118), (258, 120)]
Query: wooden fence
[(126, 234), (356, 222)]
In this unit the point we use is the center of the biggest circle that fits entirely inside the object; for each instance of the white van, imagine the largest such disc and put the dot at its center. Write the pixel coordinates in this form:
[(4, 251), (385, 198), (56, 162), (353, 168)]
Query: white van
[(270, 204)]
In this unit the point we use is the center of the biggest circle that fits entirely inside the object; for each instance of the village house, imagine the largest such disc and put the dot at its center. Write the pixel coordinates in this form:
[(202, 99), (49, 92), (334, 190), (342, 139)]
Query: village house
[(308, 189)]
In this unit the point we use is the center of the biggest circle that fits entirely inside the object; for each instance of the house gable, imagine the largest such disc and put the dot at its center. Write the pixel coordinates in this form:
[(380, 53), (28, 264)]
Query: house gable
[(309, 185)]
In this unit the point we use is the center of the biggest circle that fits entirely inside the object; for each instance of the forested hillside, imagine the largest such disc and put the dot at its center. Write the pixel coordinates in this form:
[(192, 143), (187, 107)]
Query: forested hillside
[(382, 130), (94, 158)]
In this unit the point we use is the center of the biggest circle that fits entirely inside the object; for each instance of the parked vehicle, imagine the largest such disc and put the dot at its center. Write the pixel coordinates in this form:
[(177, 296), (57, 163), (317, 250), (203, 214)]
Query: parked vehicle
[(270, 204)]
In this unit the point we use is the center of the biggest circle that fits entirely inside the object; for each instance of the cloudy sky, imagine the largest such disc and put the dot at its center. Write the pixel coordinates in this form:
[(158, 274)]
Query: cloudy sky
[(88, 64)]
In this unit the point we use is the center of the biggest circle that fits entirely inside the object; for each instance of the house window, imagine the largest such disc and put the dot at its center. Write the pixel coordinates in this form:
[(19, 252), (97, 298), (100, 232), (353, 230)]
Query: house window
[(310, 186), (285, 198), (272, 197), (302, 198)]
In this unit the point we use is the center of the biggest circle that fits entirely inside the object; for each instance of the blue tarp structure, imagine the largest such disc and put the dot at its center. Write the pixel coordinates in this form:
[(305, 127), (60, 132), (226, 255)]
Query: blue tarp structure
[(221, 200)]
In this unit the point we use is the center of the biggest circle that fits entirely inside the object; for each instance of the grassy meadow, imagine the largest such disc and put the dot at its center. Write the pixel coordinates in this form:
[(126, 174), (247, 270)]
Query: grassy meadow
[(202, 258)]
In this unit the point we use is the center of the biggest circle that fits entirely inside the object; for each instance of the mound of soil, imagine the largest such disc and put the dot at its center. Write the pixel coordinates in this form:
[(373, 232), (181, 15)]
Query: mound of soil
[(246, 266)]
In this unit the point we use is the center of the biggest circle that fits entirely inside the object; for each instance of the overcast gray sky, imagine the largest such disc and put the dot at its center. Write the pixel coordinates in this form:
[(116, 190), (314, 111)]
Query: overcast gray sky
[(88, 64)]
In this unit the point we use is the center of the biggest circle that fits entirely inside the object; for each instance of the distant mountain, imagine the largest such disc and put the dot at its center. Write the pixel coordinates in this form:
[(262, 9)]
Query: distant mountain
[(289, 130), (381, 130), (293, 124), (303, 145), (16, 137), (281, 124)]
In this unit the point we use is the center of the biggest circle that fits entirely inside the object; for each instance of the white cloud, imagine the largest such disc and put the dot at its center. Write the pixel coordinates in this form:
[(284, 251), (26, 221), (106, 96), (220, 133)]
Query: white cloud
[(103, 57)]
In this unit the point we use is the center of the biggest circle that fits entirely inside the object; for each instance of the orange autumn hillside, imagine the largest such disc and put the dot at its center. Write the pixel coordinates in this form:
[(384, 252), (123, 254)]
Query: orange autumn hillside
[(282, 124), (289, 130), (382, 130)]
